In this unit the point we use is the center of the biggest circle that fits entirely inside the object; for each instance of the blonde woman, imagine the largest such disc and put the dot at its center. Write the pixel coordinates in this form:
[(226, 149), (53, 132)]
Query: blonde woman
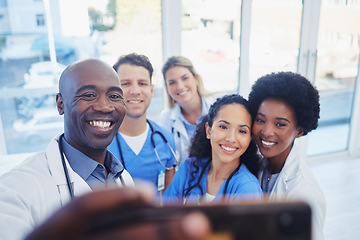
[(188, 102)]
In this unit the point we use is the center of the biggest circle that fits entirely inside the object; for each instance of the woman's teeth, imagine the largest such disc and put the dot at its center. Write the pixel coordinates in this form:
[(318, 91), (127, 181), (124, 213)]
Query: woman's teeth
[(230, 149), (267, 143)]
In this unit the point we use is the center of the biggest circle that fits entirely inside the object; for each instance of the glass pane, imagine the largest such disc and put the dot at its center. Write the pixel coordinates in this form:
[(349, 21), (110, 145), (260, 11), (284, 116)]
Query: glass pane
[(29, 80), (336, 70), (137, 29), (275, 36), (210, 39)]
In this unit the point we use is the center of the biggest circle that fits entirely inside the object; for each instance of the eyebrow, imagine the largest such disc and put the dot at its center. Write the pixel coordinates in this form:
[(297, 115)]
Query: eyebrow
[(118, 89), (82, 88), (184, 75), (92, 87), (278, 118), (240, 125)]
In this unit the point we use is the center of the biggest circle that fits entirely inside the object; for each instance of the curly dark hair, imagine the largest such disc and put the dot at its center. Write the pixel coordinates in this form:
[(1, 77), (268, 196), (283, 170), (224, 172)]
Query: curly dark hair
[(201, 146), (294, 89), (135, 59)]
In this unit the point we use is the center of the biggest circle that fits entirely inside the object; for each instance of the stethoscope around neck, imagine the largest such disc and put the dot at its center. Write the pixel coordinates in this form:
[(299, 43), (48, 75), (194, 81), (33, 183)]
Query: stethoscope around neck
[(66, 172), (153, 133), (197, 184)]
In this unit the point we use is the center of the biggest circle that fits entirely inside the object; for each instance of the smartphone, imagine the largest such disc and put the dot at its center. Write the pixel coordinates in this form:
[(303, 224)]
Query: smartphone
[(249, 221)]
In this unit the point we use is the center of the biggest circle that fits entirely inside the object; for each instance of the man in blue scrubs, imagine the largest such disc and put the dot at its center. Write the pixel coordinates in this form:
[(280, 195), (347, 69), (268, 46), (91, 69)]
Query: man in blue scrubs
[(132, 144)]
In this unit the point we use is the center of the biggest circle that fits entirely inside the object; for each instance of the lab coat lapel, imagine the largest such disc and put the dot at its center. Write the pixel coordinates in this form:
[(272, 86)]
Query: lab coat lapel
[(57, 172), (287, 175)]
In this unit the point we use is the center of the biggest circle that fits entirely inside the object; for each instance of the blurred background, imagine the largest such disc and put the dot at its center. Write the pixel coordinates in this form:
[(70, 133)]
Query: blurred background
[(230, 42)]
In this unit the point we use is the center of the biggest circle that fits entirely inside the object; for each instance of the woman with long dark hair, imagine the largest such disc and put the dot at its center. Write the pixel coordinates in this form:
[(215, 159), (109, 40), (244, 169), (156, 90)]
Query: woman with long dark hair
[(223, 158)]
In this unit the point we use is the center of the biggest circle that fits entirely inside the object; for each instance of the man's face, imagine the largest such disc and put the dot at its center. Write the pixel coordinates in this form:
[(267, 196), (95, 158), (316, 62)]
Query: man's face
[(93, 106), (138, 91)]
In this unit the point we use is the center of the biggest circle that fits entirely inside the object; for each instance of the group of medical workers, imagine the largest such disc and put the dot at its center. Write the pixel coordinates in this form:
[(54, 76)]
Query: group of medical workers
[(206, 148)]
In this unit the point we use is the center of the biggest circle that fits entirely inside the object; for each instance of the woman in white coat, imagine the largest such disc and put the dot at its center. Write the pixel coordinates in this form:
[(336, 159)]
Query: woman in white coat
[(188, 102), (285, 106)]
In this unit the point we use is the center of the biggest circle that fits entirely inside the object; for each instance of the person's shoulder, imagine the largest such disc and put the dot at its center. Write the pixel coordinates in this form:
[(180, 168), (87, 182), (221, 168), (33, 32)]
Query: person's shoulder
[(169, 113), (159, 128), (30, 176), (305, 179), (164, 119), (114, 143), (34, 163), (187, 163), (245, 175)]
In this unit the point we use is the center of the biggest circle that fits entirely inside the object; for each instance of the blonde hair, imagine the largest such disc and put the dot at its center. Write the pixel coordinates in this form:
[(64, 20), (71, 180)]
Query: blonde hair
[(180, 61)]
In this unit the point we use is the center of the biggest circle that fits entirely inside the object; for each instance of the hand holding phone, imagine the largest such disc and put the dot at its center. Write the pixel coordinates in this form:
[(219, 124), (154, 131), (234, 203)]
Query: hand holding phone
[(250, 221)]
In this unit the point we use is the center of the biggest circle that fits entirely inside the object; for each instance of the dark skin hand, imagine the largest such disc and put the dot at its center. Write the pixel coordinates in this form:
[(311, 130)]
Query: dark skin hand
[(71, 221)]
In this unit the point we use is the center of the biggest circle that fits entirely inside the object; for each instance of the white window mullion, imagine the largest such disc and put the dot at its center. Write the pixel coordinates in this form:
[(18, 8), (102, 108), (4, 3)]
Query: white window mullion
[(3, 150), (244, 62), (354, 137), (171, 28), (308, 39)]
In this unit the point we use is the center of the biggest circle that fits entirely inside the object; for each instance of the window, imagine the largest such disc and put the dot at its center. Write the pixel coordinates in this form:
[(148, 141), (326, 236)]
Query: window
[(210, 39), (28, 80), (40, 20)]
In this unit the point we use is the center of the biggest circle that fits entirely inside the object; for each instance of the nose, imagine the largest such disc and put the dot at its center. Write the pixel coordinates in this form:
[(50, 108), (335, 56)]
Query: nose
[(230, 136), (179, 84), (103, 104), (134, 89), (267, 130)]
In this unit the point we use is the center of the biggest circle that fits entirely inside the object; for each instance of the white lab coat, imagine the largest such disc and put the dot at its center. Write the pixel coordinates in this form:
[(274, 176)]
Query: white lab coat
[(297, 182), (35, 189), (170, 119)]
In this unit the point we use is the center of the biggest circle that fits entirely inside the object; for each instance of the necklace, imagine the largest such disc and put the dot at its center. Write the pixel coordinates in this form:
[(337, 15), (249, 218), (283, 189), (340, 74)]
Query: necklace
[(265, 180), (269, 177)]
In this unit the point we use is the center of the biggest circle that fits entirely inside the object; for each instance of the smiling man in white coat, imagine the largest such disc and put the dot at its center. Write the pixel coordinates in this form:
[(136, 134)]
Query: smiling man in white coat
[(75, 162)]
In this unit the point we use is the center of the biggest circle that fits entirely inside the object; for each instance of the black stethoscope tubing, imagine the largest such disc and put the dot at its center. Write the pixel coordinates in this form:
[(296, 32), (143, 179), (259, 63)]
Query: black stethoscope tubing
[(201, 175), (70, 186), (66, 172), (153, 133)]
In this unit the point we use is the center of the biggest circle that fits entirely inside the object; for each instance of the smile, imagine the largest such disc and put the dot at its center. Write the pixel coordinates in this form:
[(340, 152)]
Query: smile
[(100, 124), (134, 101), (182, 93), (267, 143), (229, 149)]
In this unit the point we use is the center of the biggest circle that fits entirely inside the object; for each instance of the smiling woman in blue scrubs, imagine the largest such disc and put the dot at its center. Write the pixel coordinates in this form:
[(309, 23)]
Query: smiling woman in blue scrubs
[(223, 159)]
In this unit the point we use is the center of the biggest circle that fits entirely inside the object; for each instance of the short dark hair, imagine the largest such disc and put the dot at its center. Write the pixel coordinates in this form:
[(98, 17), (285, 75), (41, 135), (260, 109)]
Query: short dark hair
[(292, 88), (135, 59)]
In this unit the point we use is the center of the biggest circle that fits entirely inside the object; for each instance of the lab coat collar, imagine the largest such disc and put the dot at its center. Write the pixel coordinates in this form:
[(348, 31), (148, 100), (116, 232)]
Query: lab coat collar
[(57, 171), (177, 123), (287, 174), (292, 163)]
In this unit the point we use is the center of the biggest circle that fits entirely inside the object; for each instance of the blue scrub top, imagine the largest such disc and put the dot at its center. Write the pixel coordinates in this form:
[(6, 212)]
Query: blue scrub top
[(146, 165), (242, 186)]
